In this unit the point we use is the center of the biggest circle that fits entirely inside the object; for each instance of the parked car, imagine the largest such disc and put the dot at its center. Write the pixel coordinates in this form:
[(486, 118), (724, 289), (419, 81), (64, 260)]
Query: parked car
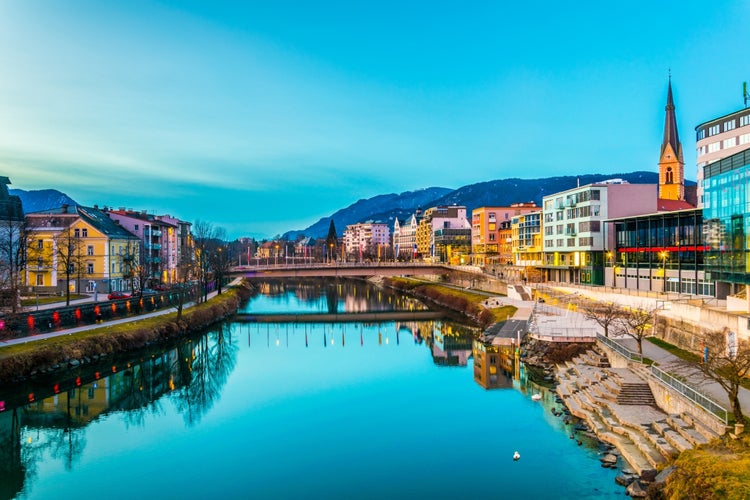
[(118, 295), (148, 291)]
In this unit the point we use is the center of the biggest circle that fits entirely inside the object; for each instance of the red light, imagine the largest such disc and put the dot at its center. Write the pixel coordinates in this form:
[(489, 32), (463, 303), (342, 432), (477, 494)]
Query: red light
[(78, 315), (97, 311), (31, 397), (2, 405), (30, 322), (114, 369), (56, 317), (78, 381), (96, 375), (56, 388), (114, 307), (2, 324)]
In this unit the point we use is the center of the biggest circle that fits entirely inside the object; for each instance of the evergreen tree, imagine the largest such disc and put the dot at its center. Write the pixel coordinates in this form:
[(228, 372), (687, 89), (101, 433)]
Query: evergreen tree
[(331, 241)]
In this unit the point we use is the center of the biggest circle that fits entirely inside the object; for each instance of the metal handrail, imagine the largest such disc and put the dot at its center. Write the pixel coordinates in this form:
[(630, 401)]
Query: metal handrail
[(693, 395), (619, 349)]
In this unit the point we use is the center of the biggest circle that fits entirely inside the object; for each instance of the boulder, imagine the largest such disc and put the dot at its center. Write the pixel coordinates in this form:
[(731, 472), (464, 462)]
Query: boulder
[(636, 490)]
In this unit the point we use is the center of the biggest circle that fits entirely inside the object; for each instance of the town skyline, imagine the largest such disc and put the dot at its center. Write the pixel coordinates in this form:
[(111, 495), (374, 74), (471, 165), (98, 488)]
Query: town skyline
[(218, 112)]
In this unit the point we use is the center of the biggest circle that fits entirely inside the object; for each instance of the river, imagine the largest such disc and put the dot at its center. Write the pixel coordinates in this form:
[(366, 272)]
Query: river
[(292, 410)]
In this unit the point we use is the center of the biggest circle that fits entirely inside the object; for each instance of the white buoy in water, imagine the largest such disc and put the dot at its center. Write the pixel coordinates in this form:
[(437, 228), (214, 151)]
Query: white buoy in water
[(536, 397), (516, 455)]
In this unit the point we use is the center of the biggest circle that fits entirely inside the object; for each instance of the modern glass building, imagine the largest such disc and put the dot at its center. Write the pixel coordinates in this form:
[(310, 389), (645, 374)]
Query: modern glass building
[(726, 214), (660, 252)]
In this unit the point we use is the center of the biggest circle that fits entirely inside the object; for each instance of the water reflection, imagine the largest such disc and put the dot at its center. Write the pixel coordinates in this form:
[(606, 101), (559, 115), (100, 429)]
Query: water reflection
[(329, 296), (52, 427)]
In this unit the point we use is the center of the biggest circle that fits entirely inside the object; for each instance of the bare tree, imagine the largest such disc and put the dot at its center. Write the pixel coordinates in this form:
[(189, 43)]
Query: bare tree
[(207, 239), (637, 323), (70, 257), (13, 236), (726, 361), (605, 314)]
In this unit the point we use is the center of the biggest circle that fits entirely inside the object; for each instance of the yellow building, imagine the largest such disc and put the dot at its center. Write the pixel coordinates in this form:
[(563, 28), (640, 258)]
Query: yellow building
[(527, 248), (80, 248), (486, 225)]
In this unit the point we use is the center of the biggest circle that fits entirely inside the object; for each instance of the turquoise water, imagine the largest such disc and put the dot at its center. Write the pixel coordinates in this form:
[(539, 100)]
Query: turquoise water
[(300, 411)]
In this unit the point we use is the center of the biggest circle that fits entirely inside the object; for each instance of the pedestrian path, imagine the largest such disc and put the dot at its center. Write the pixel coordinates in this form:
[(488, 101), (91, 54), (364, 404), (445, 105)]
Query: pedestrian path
[(663, 358), (70, 331)]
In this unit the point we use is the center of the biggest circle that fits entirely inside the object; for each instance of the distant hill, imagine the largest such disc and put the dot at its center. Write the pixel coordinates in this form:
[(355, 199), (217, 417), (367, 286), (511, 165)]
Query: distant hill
[(42, 199), (367, 209), (503, 192)]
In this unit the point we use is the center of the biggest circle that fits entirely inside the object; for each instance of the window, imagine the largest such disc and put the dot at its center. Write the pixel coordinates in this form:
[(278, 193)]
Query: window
[(729, 125), (713, 147), (77, 233), (745, 139), (595, 194), (744, 120), (701, 134), (39, 280), (85, 232), (135, 227), (729, 143), (90, 250), (40, 243), (669, 177), (90, 268), (714, 129), (39, 262)]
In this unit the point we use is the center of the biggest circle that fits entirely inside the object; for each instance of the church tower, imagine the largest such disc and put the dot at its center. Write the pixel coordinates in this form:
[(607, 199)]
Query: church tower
[(671, 164)]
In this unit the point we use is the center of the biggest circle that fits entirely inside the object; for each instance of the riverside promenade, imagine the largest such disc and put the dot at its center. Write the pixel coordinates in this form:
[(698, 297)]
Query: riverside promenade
[(70, 331), (664, 359)]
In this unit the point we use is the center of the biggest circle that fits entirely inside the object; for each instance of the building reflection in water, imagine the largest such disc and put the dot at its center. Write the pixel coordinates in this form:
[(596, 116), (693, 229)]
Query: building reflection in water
[(496, 363), (331, 296), (51, 426)]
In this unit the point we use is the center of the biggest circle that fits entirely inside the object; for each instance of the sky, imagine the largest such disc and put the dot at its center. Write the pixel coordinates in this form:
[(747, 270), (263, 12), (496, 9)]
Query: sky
[(264, 116)]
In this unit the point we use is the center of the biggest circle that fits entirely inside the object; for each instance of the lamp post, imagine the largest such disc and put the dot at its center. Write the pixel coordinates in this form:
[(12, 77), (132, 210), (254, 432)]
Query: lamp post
[(610, 256), (663, 255), (276, 256)]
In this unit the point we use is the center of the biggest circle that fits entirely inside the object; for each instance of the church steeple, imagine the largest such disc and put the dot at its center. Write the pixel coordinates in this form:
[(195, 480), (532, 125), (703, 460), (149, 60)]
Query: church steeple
[(671, 164)]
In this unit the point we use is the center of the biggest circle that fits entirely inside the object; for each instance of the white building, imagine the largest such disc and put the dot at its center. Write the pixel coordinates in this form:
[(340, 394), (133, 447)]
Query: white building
[(367, 238)]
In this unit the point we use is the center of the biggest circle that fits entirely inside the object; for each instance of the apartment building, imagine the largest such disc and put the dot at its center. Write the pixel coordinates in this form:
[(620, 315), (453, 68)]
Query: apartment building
[(486, 225), (455, 233), (718, 139), (159, 243), (79, 248), (526, 241), (405, 237), (367, 239)]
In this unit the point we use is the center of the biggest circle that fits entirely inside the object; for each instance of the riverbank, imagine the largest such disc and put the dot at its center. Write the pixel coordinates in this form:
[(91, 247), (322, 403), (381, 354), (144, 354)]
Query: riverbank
[(25, 361), (465, 302)]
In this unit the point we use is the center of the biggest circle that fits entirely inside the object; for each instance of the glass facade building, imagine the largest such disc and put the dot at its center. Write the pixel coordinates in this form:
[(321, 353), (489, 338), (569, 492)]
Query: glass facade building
[(726, 213), (660, 252)]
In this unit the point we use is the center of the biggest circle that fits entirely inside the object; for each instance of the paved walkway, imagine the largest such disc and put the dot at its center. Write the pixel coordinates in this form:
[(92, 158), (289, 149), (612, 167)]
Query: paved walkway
[(69, 331), (665, 360)]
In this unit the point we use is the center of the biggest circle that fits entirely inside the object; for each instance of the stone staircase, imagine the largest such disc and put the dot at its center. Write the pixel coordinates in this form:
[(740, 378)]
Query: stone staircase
[(618, 406)]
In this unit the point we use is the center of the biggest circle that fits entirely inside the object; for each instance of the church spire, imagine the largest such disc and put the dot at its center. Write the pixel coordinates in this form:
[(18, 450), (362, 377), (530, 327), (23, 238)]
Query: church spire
[(671, 136), (671, 163)]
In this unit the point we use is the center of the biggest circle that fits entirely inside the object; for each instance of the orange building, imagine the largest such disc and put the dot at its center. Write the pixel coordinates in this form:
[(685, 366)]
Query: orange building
[(490, 237)]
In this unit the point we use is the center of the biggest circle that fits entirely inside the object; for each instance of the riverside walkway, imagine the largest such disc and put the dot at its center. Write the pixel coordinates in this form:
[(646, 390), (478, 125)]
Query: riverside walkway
[(663, 358), (70, 331)]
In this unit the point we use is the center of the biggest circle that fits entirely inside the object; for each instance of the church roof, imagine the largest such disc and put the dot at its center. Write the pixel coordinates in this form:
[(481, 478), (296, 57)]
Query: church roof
[(671, 137)]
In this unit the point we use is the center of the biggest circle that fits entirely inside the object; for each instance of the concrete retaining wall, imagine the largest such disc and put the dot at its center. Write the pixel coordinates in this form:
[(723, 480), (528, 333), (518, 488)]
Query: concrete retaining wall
[(674, 403)]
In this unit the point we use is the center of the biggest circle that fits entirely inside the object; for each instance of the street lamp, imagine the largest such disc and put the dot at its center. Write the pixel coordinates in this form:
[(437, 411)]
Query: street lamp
[(663, 256), (610, 256), (276, 256)]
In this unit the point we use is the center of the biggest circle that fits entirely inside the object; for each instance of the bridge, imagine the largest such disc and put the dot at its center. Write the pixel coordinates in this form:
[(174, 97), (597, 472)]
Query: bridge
[(338, 269), (365, 317)]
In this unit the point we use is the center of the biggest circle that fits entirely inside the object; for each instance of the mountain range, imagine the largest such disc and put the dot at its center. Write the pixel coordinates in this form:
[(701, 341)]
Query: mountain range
[(42, 199), (500, 193)]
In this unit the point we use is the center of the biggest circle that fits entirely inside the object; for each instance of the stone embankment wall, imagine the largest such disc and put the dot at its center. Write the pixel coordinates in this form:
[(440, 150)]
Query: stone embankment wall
[(667, 399), (683, 323)]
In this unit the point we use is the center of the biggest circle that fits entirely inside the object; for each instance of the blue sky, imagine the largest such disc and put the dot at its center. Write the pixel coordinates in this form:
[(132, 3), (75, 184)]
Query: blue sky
[(262, 117)]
